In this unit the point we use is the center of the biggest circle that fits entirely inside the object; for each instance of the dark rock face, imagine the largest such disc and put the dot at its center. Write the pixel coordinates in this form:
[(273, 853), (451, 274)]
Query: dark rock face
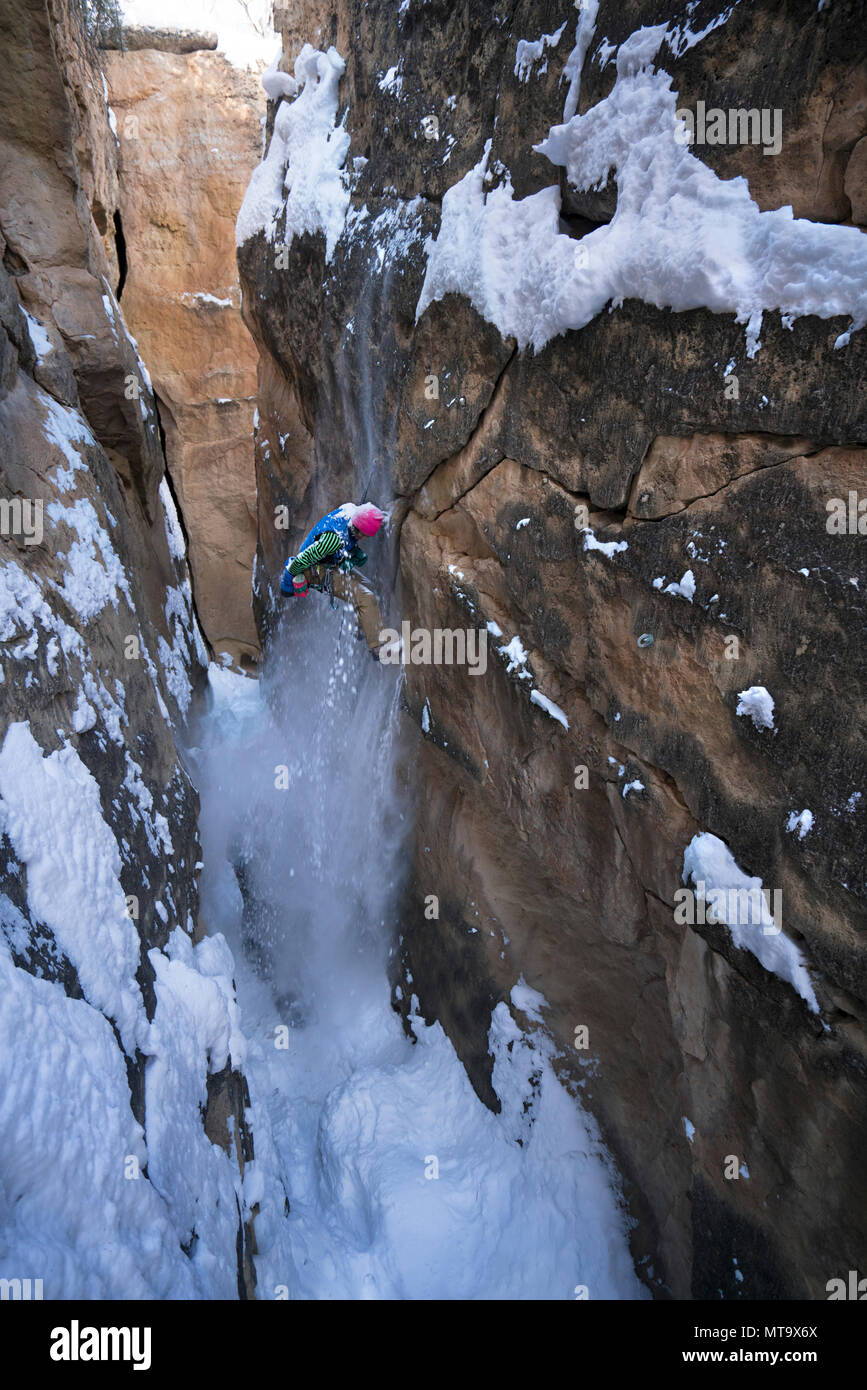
[(544, 864), (102, 659)]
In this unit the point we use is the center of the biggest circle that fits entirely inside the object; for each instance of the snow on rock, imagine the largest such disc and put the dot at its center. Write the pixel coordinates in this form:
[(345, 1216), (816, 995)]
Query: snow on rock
[(68, 1207), (186, 646), (300, 175), (758, 704), (174, 534), (208, 300), (278, 84), (681, 238), (94, 575), (156, 826), (737, 899), (505, 255), (684, 588), (528, 1000), (389, 236), (537, 698), (584, 34), (529, 52), (634, 786), (84, 715), (516, 656), (392, 82), (550, 1200), (680, 37), (42, 344), (195, 1030), (65, 1111), (51, 812), (22, 603), (23, 608), (608, 548), (803, 823), (68, 431)]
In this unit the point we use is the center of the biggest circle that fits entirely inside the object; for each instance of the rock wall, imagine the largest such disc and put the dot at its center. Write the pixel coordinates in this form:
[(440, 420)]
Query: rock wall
[(189, 131), (553, 829), (120, 1051)]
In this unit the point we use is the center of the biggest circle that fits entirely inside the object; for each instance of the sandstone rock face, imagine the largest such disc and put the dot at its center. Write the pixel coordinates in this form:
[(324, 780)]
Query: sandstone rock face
[(553, 829), (135, 37), (102, 663), (189, 133)]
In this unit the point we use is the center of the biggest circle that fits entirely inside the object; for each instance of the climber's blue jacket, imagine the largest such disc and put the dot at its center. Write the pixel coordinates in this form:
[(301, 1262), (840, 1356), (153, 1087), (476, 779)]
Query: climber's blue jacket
[(332, 541), (332, 521)]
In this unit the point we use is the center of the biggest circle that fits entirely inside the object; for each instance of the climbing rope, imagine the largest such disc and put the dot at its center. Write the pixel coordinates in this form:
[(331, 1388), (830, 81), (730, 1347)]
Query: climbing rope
[(369, 481)]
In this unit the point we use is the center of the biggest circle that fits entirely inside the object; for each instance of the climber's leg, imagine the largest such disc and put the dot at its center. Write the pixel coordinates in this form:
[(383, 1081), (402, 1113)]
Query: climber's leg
[(350, 588)]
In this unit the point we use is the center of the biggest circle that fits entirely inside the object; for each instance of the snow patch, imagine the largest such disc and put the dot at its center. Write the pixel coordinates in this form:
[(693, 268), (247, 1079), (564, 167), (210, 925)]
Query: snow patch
[(803, 823), (52, 813), (528, 1000), (94, 575), (684, 588), (278, 84), (609, 548), (42, 344), (516, 658), (299, 181), (174, 534), (681, 238), (710, 864), (67, 430), (537, 698), (529, 52), (758, 704), (392, 82)]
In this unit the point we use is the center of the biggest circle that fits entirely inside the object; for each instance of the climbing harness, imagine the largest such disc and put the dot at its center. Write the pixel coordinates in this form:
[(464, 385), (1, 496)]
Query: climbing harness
[(325, 585)]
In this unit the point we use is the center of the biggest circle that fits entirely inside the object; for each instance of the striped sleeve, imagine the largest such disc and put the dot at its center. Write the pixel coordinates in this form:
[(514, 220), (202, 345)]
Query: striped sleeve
[(325, 545)]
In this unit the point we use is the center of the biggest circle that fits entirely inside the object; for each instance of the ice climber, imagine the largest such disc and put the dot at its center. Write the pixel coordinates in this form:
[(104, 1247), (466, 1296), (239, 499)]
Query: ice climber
[(328, 560)]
